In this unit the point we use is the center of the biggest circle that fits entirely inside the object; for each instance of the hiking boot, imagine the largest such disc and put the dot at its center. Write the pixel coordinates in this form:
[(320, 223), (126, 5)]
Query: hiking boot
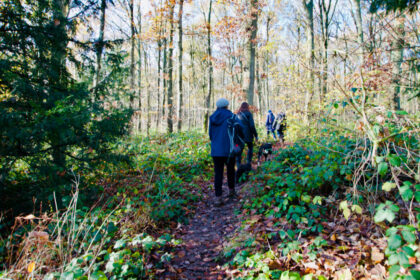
[(233, 195), (219, 201)]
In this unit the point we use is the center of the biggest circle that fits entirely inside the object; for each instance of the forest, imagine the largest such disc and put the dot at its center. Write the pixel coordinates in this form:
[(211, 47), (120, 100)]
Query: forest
[(107, 170)]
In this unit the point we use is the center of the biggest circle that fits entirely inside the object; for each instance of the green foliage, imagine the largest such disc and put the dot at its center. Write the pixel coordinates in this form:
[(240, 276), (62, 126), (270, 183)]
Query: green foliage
[(49, 123), (171, 165), (392, 5)]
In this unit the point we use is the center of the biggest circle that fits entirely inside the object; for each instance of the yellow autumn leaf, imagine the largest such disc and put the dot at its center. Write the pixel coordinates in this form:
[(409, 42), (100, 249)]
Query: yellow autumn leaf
[(31, 267)]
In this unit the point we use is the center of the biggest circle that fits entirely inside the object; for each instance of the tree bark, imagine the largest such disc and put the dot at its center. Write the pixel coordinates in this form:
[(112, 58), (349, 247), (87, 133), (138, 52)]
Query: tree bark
[(158, 115), (326, 16), (147, 80), (252, 45), (164, 78), (170, 68), (58, 59), (266, 63), (310, 55), (132, 53), (99, 49), (397, 47), (359, 27), (180, 94), (139, 69), (210, 67)]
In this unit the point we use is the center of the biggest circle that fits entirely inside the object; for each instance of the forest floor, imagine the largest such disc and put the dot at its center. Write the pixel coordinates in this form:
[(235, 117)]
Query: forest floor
[(207, 235), (204, 240)]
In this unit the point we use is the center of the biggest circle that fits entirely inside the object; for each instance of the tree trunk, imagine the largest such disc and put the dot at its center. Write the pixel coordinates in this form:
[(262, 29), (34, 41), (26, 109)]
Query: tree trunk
[(252, 45), (266, 63), (58, 59), (257, 73), (310, 55), (147, 80), (397, 47), (170, 70), (180, 94), (210, 67), (132, 54), (359, 27), (158, 115), (165, 78), (99, 49), (139, 69)]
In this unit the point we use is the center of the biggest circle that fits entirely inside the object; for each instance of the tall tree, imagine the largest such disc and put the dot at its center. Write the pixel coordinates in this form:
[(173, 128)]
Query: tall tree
[(132, 51), (170, 67), (100, 47), (180, 49), (326, 13), (359, 26), (210, 68), (310, 52), (139, 67), (252, 44), (397, 49)]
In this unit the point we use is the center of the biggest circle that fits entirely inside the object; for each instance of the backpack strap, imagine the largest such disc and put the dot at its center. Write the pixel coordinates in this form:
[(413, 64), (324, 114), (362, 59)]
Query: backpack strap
[(243, 115)]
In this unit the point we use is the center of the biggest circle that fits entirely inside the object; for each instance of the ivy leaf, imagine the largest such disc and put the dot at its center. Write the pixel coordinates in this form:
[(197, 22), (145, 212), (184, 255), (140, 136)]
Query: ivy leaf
[(98, 275), (345, 208), (318, 200), (406, 193), (408, 236), (394, 242), (408, 251), (356, 208), (384, 213), (388, 186), (394, 160), (382, 168), (120, 244), (417, 196), (415, 274)]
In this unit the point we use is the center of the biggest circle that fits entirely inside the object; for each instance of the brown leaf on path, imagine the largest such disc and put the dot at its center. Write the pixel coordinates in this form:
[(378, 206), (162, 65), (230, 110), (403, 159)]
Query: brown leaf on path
[(181, 254), (376, 255)]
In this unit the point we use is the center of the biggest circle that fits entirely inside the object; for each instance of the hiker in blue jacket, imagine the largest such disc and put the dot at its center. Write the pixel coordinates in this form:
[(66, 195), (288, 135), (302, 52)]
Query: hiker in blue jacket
[(220, 149), (269, 123)]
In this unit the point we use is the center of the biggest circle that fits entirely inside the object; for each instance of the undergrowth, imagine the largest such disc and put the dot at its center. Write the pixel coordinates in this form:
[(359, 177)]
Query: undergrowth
[(124, 235)]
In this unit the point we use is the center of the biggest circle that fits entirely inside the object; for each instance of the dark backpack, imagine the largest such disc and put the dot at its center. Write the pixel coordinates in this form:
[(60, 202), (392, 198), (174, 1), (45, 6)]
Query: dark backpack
[(236, 143)]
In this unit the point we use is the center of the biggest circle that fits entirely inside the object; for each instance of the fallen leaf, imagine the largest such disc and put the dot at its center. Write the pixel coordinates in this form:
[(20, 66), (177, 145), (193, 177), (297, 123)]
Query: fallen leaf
[(181, 254), (31, 267), (376, 255)]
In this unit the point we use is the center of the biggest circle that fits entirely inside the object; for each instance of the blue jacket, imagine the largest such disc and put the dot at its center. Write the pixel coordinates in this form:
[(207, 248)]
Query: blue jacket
[(270, 120), (218, 133)]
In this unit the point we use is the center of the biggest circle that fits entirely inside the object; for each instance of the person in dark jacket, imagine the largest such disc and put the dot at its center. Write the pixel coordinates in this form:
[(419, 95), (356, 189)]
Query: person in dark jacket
[(280, 126), (269, 123), (249, 131), (220, 149)]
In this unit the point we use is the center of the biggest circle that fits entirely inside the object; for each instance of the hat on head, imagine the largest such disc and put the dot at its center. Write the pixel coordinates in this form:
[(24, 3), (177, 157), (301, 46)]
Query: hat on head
[(222, 102), (269, 111)]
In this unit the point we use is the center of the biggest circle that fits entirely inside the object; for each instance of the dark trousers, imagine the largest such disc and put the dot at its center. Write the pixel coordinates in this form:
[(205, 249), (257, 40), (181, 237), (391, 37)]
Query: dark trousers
[(280, 133), (269, 129), (219, 165), (248, 156)]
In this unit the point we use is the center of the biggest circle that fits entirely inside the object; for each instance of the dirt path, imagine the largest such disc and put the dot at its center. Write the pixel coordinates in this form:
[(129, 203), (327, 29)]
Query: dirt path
[(203, 239)]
